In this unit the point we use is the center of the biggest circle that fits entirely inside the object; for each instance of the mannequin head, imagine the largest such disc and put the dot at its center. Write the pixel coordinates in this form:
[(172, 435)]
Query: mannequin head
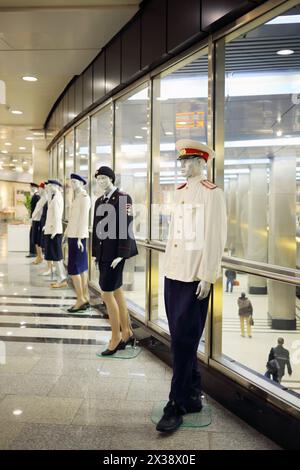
[(77, 185), (191, 167), (105, 183), (33, 188)]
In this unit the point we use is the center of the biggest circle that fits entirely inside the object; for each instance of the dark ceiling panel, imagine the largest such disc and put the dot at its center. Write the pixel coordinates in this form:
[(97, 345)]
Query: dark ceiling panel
[(99, 77), (71, 102), (78, 95), (217, 13), (88, 87), (113, 64), (183, 22), (131, 50), (154, 32)]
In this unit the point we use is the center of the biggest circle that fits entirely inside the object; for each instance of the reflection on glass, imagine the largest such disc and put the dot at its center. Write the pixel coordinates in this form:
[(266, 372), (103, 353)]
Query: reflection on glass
[(134, 281), (82, 149), (262, 148), (54, 162), (180, 112), (249, 344), (101, 155), (69, 165), (60, 163), (101, 144), (132, 152)]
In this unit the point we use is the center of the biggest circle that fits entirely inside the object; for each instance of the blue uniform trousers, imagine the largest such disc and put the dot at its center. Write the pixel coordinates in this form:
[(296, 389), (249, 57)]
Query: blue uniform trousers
[(186, 316)]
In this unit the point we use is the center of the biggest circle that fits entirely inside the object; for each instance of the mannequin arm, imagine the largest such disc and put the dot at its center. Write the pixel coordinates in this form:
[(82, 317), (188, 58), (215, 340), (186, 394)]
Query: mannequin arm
[(203, 290), (80, 245), (115, 262)]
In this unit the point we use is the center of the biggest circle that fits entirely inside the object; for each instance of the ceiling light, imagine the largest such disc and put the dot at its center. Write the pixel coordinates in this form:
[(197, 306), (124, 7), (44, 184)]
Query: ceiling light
[(7, 143), (30, 79), (144, 128), (14, 160), (29, 138), (279, 133), (138, 136), (4, 151), (15, 111), (285, 19), (38, 133), (169, 133), (285, 52), (17, 412), (22, 148)]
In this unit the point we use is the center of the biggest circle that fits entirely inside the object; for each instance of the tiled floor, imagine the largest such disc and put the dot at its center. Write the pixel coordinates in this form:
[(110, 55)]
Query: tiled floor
[(55, 393)]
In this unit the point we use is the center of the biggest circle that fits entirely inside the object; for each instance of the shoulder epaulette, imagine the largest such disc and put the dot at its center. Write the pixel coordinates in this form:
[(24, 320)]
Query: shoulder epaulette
[(208, 184), (182, 186)]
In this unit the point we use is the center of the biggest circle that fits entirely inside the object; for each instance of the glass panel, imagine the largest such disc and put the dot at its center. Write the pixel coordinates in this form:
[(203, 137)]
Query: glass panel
[(69, 165), (262, 144), (132, 152), (54, 162), (179, 112), (61, 172), (275, 315), (134, 281), (101, 144), (101, 154), (82, 149)]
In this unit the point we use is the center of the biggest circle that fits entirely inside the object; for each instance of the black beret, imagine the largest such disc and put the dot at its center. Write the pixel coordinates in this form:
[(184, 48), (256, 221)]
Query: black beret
[(34, 185), (55, 182), (106, 171), (74, 176)]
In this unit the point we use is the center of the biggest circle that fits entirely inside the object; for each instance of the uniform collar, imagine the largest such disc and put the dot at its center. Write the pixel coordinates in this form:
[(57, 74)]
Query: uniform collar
[(109, 195), (194, 181)]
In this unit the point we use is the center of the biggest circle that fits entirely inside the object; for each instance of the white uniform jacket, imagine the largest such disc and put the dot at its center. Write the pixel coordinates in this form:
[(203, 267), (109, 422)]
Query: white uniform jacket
[(79, 216), (197, 232), (37, 213), (54, 215)]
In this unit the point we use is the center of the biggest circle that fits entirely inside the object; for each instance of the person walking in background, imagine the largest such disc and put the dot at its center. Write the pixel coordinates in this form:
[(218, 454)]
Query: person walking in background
[(282, 356), (245, 313), (230, 278)]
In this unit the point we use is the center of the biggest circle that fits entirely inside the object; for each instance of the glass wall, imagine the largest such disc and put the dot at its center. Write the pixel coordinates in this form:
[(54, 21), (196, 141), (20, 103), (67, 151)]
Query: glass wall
[(132, 146), (180, 103), (82, 149), (69, 168), (101, 155), (60, 162), (261, 180)]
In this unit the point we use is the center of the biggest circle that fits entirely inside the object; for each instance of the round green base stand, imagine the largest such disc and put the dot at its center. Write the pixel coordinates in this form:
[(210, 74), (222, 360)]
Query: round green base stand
[(190, 420), (127, 353)]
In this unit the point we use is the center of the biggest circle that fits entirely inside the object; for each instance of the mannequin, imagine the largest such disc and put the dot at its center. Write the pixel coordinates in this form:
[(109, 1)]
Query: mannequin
[(77, 232), (53, 233), (197, 237), (36, 223), (111, 251)]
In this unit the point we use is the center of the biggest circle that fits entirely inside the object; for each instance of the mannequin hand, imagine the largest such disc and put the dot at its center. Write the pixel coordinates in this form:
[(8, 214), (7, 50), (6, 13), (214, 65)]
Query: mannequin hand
[(53, 235), (80, 245), (43, 229), (64, 240), (203, 290), (115, 262)]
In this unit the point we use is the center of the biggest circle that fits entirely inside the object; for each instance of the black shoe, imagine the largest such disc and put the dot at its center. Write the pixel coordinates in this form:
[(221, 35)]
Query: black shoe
[(79, 309), (171, 419), (193, 405), (130, 342), (31, 256), (110, 352)]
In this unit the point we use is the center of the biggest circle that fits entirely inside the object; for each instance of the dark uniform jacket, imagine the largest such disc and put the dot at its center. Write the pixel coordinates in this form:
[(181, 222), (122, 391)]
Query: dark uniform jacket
[(112, 228), (33, 202), (282, 356)]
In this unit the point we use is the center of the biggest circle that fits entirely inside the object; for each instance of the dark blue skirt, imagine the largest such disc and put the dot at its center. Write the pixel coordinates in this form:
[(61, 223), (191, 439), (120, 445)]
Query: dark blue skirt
[(53, 248), (111, 279), (36, 232), (77, 259)]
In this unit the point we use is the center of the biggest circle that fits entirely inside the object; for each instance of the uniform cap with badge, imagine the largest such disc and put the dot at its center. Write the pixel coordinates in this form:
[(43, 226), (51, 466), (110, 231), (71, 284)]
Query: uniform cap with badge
[(188, 148), (55, 182), (106, 171)]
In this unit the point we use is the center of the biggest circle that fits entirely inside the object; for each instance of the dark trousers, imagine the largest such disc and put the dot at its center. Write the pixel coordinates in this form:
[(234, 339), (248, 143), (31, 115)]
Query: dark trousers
[(32, 249), (186, 316), (229, 282)]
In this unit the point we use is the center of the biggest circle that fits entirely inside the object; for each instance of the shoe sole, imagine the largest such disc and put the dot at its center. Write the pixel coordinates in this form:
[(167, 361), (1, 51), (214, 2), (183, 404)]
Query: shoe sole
[(159, 429)]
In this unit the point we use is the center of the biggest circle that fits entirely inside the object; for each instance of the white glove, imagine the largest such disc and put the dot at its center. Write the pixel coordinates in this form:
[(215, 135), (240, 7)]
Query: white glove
[(203, 290), (80, 245), (115, 262), (43, 229)]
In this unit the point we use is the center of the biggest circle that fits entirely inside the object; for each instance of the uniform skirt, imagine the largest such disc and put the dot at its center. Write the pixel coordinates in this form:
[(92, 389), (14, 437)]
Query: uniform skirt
[(53, 248), (77, 259), (111, 279), (36, 232)]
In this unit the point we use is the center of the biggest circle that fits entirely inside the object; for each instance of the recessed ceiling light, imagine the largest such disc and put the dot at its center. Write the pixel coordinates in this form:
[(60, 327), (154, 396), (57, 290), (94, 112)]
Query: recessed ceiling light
[(29, 138), (138, 136), (29, 79), (14, 160), (17, 412), (15, 111), (144, 128), (4, 151), (38, 133), (169, 133), (7, 143), (285, 52), (22, 148)]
